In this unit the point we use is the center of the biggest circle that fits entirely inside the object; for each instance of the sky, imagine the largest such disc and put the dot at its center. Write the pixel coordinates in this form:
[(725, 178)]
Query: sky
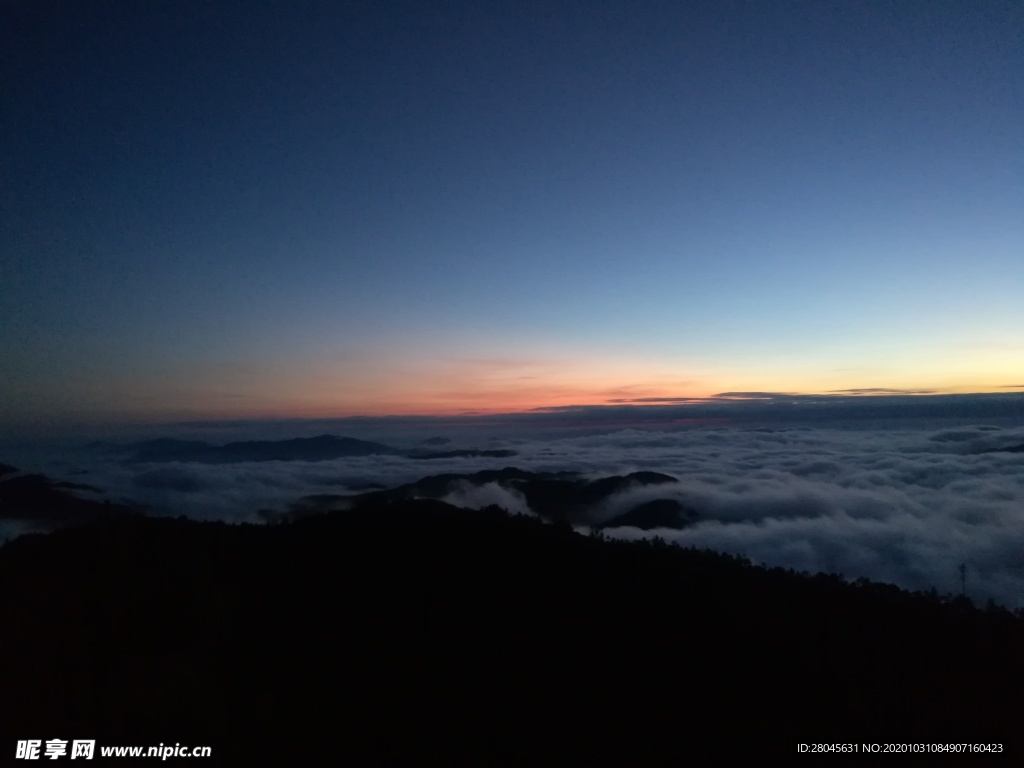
[(232, 210)]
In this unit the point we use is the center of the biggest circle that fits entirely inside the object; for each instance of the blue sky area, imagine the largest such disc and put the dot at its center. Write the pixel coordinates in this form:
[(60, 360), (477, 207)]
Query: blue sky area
[(321, 209)]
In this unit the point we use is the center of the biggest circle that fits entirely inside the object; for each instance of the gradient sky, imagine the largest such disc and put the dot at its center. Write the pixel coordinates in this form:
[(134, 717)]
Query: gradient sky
[(234, 209)]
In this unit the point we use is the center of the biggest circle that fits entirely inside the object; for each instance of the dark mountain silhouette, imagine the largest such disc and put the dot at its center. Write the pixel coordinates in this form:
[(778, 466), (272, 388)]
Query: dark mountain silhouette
[(467, 453), (658, 513), (65, 485), (1008, 449), (7, 469), (596, 490), (168, 449), (39, 499), (364, 485), (314, 504), (416, 633), (434, 441), (105, 446), (319, 448), (556, 496)]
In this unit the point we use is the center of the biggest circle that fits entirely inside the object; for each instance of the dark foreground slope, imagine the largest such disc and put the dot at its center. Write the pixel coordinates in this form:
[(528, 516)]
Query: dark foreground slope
[(419, 634), (38, 499)]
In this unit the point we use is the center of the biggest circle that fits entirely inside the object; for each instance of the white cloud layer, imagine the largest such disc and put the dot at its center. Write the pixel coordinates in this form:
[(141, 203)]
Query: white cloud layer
[(906, 506)]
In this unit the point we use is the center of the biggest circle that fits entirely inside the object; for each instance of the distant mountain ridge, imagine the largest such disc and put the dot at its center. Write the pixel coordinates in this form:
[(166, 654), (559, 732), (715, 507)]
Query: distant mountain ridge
[(564, 497), (320, 448), (502, 453)]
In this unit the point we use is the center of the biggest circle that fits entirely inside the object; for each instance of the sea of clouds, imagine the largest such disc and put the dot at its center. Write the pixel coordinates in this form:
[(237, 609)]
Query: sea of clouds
[(905, 506)]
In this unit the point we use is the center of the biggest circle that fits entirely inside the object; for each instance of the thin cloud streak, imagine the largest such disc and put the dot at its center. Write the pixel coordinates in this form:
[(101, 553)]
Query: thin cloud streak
[(883, 391)]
